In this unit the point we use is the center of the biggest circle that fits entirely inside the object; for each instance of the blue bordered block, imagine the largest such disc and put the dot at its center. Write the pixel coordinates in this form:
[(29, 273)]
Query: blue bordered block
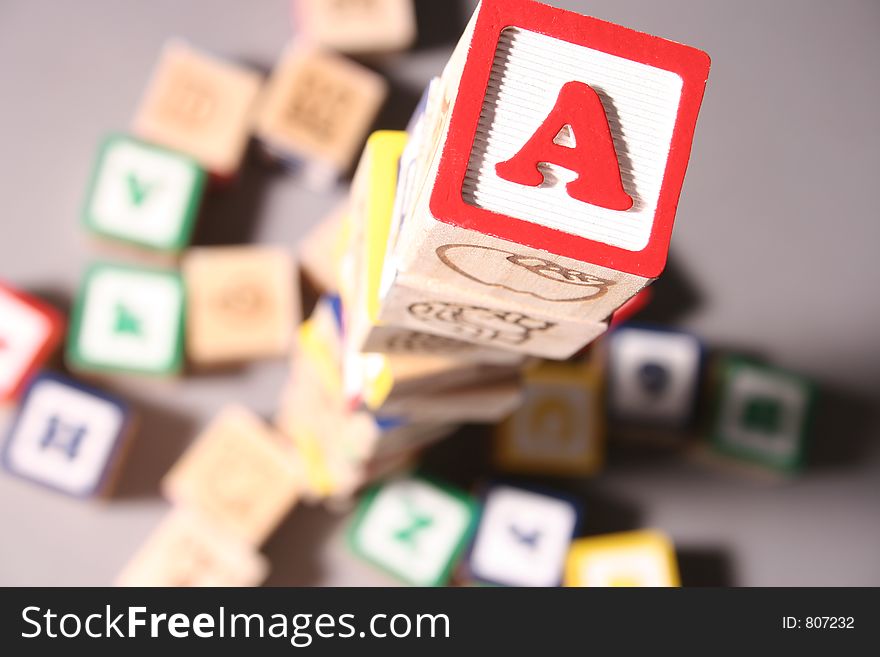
[(414, 529), (143, 195), (128, 320), (763, 414), (523, 537), (654, 377), (68, 437)]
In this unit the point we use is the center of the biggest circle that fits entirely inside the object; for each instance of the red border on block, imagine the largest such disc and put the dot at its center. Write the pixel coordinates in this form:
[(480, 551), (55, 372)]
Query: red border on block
[(691, 64), (57, 325)]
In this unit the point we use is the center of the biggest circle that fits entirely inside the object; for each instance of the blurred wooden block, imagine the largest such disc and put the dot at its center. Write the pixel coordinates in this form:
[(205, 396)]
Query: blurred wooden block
[(560, 427), (763, 415), (523, 537), (320, 252), (387, 378), (199, 105), (68, 437), (144, 195), (316, 111), (638, 558), (185, 551), (30, 331), (653, 377), (395, 341), (372, 204), (358, 27), (557, 165), (483, 403), (128, 320), (242, 302), (237, 476), (414, 529)]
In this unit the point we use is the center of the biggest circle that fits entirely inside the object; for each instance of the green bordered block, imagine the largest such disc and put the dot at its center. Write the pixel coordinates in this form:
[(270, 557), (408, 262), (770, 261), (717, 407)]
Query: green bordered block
[(414, 529), (763, 414), (128, 320), (143, 195)]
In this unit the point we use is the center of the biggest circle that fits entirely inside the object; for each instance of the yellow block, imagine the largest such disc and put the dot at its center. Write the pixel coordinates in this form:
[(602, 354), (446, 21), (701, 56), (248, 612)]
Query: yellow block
[(638, 558), (382, 159), (560, 426)]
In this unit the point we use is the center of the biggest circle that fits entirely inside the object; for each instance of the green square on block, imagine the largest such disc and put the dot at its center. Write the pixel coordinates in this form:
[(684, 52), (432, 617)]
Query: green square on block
[(143, 195), (414, 529), (128, 320), (763, 414)]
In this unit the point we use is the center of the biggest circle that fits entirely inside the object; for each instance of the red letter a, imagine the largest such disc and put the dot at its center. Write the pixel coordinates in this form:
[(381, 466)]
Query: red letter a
[(593, 158)]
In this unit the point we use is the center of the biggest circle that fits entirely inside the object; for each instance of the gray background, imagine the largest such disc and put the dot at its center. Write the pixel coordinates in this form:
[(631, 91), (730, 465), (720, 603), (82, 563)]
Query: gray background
[(774, 252)]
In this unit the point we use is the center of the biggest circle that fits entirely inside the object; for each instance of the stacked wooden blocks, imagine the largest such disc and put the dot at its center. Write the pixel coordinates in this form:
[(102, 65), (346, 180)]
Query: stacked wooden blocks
[(530, 200)]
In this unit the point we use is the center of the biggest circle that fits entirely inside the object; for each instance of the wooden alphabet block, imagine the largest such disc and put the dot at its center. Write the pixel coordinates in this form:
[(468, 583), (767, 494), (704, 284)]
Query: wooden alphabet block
[(128, 320), (393, 341), (358, 27), (144, 195), (397, 377), (654, 377), (316, 111), (30, 331), (370, 215), (427, 306), (523, 538), (414, 529), (242, 303), (763, 415), (558, 165), (560, 427), (237, 476), (483, 403), (68, 437), (199, 105), (186, 551), (637, 558)]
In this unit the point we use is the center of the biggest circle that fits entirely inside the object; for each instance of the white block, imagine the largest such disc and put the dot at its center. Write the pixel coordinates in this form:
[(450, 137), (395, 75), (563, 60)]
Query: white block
[(523, 538)]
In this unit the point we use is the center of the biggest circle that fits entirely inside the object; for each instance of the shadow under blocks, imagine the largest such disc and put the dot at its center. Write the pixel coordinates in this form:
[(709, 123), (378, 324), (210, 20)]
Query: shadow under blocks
[(441, 22)]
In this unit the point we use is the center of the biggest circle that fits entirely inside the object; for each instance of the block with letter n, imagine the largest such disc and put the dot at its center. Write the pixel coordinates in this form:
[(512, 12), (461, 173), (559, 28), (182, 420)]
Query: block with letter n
[(558, 163)]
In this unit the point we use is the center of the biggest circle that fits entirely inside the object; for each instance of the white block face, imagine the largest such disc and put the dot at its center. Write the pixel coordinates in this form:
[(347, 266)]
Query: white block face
[(23, 331), (523, 538), (641, 104), (654, 375), (554, 423), (143, 194), (413, 529), (628, 566), (782, 442), (64, 438), (131, 320)]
